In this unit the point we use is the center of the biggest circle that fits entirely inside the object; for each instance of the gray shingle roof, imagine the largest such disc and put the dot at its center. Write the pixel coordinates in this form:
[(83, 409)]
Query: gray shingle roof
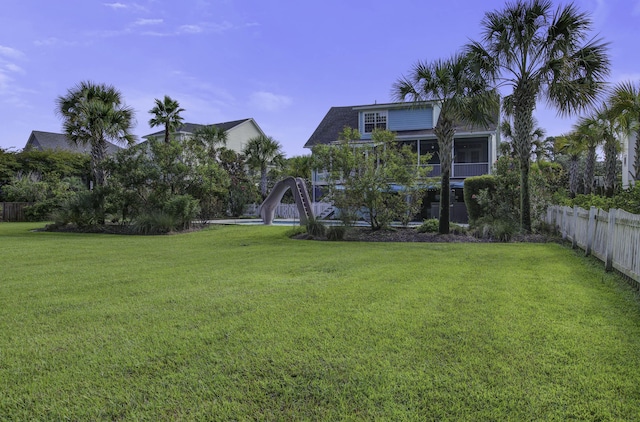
[(192, 127), (338, 117), (330, 127), (40, 140)]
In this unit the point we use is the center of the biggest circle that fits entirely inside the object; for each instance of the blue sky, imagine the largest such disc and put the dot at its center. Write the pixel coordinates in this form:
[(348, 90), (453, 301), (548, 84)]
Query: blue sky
[(282, 62)]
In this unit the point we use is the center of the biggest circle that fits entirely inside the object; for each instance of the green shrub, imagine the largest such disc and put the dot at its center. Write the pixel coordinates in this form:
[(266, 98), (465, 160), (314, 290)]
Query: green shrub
[(183, 209), (155, 222), (429, 226), (336, 233), (472, 187), (501, 230), (457, 229), (315, 228), (79, 209)]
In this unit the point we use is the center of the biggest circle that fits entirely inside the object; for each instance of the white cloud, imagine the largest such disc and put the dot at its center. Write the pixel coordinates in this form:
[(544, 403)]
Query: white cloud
[(13, 68), (269, 101), (11, 53), (116, 5), (144, 22), (190, 29)]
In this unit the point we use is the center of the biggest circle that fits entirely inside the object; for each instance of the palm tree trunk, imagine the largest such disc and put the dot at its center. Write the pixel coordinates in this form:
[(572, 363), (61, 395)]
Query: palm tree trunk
[(573, 176), (445, 133), (610, 158), (523, 128), (263, 181), (589, 171)]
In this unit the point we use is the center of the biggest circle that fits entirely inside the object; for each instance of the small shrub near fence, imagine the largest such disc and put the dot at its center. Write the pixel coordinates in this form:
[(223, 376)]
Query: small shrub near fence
[(612, 236)]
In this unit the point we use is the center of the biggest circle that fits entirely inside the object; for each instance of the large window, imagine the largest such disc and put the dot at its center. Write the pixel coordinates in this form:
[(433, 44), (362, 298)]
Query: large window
[(377, 120)]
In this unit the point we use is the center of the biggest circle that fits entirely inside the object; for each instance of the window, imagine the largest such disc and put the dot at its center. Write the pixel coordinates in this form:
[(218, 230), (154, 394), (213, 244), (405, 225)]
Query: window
[(375, 120)]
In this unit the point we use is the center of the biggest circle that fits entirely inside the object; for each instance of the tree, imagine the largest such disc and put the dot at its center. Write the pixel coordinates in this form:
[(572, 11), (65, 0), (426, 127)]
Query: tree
[(166, 113), (540, 54), (381, 179), (573, 146), (507, 144), (589, 133), (93, 114), (625, 105), (462, 96), (260, 152)]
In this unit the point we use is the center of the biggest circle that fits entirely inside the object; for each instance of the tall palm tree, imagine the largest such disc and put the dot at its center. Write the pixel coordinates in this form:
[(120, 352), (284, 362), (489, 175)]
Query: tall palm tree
[(540, 54), (166, 113), (94, 114), (625, 105), (573, 146), (260, 152), (589, 132), (537, 140), (463, 98)]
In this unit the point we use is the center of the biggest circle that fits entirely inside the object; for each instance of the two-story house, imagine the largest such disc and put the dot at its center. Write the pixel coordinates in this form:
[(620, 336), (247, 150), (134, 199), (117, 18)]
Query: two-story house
[(475, 149), (238, 132)]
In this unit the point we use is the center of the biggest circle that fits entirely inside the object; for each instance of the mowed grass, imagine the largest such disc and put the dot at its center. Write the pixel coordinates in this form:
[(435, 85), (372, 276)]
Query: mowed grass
[(238, 323)]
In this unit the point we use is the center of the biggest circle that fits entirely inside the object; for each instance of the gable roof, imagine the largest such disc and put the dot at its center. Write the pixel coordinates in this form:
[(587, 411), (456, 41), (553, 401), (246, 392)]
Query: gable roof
[(332, 124), (42, 141), (337, 118), (192, 127)]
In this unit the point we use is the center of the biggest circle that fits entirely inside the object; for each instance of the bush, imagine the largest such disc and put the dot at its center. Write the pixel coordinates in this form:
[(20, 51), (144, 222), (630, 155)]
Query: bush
[(316, 228), (335, 233), (156, 222), (472, 187), (501, 230), (183, 209), (429, 226), (79, 209)]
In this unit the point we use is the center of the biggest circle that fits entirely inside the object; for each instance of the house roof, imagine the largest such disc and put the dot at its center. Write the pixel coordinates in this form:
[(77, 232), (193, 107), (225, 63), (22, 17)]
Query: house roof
[(338, 117), (40, 140), (333, 123), (192, 127)]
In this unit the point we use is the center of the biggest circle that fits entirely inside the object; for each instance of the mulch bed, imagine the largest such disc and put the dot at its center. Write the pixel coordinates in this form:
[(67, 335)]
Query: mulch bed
[(361, 234)]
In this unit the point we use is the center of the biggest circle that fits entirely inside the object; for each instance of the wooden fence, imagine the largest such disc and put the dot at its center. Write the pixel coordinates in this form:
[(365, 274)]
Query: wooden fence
[(14, 211), (613, 236)]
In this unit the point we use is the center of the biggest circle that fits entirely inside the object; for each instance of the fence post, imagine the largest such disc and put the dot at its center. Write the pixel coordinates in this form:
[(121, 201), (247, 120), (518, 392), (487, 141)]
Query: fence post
[(591, 229), (574, 236), (563, 225), (611, 237)]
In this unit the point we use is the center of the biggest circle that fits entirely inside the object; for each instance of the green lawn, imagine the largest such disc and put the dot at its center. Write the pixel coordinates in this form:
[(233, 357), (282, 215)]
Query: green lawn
[(237, 323)]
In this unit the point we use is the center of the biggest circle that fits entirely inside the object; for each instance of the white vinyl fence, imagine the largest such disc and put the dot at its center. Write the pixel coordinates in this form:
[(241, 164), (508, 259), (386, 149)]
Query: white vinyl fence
[(613, 237), (290, 211)]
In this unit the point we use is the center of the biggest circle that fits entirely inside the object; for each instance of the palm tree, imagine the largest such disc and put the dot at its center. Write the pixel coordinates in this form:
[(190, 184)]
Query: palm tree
[(625, 105), (538, 141), (94, 114), (573, 146), (260, 152), (463, 98), (589, 133), (540, 54), (166, 113)]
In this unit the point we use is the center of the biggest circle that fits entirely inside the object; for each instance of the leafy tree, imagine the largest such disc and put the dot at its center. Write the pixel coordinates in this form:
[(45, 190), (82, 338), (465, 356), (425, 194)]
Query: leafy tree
[(166, 113), (540, 54), (381, 179), (507, 145), (590, 133), (93, 114), (625, 105), (207, 141), (241, 191), (462, 96), (260, 152)]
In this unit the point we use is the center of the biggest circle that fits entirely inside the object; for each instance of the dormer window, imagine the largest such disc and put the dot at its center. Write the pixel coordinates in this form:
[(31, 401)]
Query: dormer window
[(375, 120)]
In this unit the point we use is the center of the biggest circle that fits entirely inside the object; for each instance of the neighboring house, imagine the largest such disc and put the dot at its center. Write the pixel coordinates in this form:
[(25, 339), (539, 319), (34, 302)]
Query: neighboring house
[(475, 149), (238, 132), (42, 141), (628, 158)]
